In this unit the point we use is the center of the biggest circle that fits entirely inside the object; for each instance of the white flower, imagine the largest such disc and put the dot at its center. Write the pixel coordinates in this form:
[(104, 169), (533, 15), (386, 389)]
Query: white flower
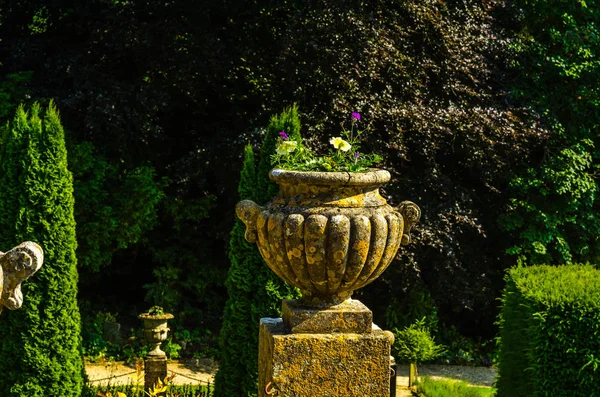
[(286, 147), (340, 144)]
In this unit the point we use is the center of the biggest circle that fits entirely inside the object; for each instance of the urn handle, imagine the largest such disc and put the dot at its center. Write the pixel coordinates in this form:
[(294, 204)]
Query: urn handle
[(247, 211), (411, 214)]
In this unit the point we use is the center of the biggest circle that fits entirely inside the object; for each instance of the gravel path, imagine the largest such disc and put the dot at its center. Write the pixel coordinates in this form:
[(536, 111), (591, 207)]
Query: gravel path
[(118, 373), (203, 371)]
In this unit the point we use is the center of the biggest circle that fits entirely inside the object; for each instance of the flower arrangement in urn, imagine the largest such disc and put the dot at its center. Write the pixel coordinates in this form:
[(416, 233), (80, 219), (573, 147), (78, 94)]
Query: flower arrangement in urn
[(328, 232), (345, 155)]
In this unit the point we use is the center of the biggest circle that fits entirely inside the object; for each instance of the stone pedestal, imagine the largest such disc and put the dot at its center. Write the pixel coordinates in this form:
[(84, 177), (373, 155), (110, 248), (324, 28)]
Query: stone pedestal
[(154, 368), (334, 352)]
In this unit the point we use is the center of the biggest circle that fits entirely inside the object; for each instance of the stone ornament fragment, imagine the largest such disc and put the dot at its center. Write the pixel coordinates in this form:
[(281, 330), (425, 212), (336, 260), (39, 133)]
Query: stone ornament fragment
[(16, 266), (328, 233)]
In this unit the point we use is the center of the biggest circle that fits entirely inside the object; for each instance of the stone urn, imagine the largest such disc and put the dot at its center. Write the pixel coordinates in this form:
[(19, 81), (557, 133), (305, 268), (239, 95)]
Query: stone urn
[(155, 331), (328, 233)]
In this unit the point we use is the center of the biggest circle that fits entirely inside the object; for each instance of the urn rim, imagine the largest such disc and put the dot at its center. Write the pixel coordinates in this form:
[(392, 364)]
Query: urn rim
[(148, 316), (339, 178)]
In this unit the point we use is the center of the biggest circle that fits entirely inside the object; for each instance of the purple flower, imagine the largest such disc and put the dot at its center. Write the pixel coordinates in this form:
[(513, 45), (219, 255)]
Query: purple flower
[(283, 135), (355, 116), (356, 156)]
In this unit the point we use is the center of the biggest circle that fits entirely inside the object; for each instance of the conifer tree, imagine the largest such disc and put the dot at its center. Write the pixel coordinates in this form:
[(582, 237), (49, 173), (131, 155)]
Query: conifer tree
[(288, 122), (254, 290), (41, 342)]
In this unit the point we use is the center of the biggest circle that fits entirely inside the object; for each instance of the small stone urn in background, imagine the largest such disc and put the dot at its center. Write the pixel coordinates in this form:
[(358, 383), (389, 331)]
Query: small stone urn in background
[(328, 234), (155, 332)]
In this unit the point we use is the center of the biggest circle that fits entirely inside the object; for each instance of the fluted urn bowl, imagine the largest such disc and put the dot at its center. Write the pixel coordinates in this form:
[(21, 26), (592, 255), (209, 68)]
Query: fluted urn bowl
[(328, 233)]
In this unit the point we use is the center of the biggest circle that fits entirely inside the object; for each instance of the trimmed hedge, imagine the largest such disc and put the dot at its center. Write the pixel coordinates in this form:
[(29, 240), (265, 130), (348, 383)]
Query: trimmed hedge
[(550, 332)]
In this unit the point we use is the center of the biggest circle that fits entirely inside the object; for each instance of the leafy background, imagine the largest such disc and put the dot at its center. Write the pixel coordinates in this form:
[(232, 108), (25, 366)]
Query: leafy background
[(484, 111)]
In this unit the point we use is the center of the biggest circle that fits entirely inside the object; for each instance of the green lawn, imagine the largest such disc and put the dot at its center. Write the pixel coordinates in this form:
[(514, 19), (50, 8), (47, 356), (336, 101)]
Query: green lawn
[(428, 387)]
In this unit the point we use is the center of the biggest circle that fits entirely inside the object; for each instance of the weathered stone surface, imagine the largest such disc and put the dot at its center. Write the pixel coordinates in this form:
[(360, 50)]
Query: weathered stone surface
[(350, 316), (16, 266), (323, 365), (154, 368), (328, 233), (330, 189), (155, 331)]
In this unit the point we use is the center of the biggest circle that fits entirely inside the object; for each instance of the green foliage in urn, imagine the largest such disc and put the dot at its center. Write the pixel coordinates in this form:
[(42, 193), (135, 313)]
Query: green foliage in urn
[(291, 154), (549, 332), (156, 311), (41, 343), (554, 212), (254, 290)]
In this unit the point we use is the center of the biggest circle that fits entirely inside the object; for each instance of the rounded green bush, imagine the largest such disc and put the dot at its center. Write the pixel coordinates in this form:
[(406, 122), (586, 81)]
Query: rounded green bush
[(414, 344)]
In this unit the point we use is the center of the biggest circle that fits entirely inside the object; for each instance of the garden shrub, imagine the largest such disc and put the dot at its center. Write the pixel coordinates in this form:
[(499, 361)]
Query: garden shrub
[(40, 343), (254, 290), (414, 344), (549, 332)]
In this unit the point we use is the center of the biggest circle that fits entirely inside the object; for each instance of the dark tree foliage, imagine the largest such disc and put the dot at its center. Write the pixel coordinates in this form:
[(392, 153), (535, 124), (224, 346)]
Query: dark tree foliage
[(181, 87), (41, 342), (13, 90), (254, 290), (126, 75), (430, 80), (114, 207), (554, 212)]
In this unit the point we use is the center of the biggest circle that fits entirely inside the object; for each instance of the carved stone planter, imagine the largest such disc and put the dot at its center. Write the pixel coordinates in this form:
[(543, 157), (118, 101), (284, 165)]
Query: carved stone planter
[(155, 331), (328, 233)]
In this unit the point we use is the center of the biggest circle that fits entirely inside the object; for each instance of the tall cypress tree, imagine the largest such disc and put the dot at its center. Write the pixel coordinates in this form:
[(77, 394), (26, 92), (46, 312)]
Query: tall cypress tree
[(41, 342), (254, 290)]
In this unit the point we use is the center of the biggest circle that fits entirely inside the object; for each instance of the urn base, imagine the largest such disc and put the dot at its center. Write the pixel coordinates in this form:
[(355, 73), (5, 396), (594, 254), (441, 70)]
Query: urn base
[(350, 316)]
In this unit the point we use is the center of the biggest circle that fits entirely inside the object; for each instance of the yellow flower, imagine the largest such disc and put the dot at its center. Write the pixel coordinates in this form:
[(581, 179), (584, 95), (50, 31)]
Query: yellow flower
[(286, 147), (340, 144)]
